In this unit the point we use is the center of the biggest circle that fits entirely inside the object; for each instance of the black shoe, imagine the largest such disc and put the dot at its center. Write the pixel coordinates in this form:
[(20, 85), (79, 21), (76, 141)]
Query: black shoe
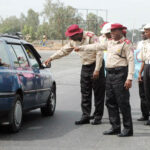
[(142, 119), (82, 121), (91, 117), (126, 133), (96, 121), (147, 123), (112, 132)]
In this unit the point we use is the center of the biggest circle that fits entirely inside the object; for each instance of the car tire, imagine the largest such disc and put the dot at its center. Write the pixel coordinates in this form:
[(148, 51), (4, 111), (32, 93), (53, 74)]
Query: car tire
[(16, 115), (49, 109)]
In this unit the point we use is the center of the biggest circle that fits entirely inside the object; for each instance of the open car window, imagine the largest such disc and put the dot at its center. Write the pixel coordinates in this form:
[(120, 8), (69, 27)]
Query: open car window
[(4, 58), (33, 61)]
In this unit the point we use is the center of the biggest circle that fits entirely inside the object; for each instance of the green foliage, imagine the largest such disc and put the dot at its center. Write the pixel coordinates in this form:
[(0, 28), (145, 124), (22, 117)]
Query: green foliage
[(28, 25), (55, 19), (59, 17), (93, 22), (53, 22), (10, 25), (43, 29), (32, 19)]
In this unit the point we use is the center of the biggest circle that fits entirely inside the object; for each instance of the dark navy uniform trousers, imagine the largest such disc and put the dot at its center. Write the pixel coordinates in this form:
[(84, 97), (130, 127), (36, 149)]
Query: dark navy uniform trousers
[(147, 83), (88, 84), (117, 98)]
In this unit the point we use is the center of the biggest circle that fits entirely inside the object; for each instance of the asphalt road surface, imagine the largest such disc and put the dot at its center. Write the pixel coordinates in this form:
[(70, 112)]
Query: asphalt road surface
[(59, 132)]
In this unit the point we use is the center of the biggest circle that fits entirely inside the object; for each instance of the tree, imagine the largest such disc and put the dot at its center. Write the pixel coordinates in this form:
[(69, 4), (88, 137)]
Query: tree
[(30, 23), (10, 25), (44, 29), (1, 20), (93, 22), (32, 19), (48, 11), (22, 20), (59, 17), (56, 19)]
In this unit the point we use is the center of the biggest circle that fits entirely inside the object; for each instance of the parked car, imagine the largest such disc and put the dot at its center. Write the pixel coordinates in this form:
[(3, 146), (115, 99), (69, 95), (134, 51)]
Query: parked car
[(25, 84)]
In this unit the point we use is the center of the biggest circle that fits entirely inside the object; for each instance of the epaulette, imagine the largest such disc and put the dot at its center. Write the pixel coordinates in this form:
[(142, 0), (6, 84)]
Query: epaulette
[(127, 41), (90, 34), (121, 41)]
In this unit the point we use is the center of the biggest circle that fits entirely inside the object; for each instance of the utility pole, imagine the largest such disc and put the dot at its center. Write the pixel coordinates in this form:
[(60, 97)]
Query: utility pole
[(133, 34), (106, 14), (97, 12)]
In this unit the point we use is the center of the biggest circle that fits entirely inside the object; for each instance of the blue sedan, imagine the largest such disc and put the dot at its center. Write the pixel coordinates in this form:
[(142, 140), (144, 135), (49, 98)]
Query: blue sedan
[(25, 84)]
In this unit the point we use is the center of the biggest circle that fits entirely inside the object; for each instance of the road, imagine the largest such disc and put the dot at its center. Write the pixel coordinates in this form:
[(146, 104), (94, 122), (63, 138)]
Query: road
[(59, 131)]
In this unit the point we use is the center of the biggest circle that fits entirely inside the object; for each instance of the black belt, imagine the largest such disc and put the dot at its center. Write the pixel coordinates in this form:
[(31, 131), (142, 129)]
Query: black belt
[(89, 65), (116, 70)]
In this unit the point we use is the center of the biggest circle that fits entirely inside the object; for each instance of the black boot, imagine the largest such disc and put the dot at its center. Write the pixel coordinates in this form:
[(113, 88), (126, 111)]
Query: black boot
[(96, 121), (142, 119), (112, 131), (82, 121), (147, 123), (126, 132), (92, 117)]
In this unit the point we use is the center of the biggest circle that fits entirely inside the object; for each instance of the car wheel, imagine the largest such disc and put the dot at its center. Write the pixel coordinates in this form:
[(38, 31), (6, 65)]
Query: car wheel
[(49, 109), (16, 115)]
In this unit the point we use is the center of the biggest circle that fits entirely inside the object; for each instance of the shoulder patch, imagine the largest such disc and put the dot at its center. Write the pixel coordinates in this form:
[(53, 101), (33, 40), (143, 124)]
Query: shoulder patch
[(90, 34), (121, 41), (127, 41)]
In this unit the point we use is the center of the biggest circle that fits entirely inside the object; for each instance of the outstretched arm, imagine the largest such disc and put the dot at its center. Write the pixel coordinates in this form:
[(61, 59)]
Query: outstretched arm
[(92, 47), (66, 50)]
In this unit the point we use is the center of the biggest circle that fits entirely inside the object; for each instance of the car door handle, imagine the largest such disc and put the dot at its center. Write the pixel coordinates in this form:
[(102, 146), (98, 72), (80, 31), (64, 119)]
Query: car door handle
[(20, 74), (37, 75)]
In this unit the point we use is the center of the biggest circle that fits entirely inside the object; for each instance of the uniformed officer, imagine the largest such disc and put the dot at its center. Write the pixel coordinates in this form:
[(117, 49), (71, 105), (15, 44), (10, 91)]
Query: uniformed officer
[(92, 73), (144, 105), (145, 57), (120, 70), (105, 33)]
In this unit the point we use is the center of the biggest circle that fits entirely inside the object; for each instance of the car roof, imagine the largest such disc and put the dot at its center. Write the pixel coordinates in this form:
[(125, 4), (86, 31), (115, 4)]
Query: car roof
[(16, 40), (10, 38)]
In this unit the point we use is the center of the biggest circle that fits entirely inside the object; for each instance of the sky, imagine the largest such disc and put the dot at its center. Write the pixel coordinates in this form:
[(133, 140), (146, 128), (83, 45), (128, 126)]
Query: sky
[(131, 13)]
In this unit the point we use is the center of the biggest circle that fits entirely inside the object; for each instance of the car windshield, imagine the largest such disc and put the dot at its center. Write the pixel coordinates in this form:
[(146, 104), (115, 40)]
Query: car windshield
[(4, 59)]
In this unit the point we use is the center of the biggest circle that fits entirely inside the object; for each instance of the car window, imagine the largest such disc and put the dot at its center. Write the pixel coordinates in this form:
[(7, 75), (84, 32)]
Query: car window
[(32, 58), (4, 58), (13, 56), (20, 55)]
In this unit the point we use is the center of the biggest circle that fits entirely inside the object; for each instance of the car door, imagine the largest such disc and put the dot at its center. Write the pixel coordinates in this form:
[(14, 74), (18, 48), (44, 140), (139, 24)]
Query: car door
[(42, 77), (5, 71), (26, 75)]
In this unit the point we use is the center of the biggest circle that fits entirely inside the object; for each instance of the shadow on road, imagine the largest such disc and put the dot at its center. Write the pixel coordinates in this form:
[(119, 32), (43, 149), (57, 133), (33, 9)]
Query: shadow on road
[(36, 127)]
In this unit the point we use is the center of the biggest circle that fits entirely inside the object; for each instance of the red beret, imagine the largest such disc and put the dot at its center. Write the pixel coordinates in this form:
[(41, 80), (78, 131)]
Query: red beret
[(124, 31), (73, 29), (117, 26)]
